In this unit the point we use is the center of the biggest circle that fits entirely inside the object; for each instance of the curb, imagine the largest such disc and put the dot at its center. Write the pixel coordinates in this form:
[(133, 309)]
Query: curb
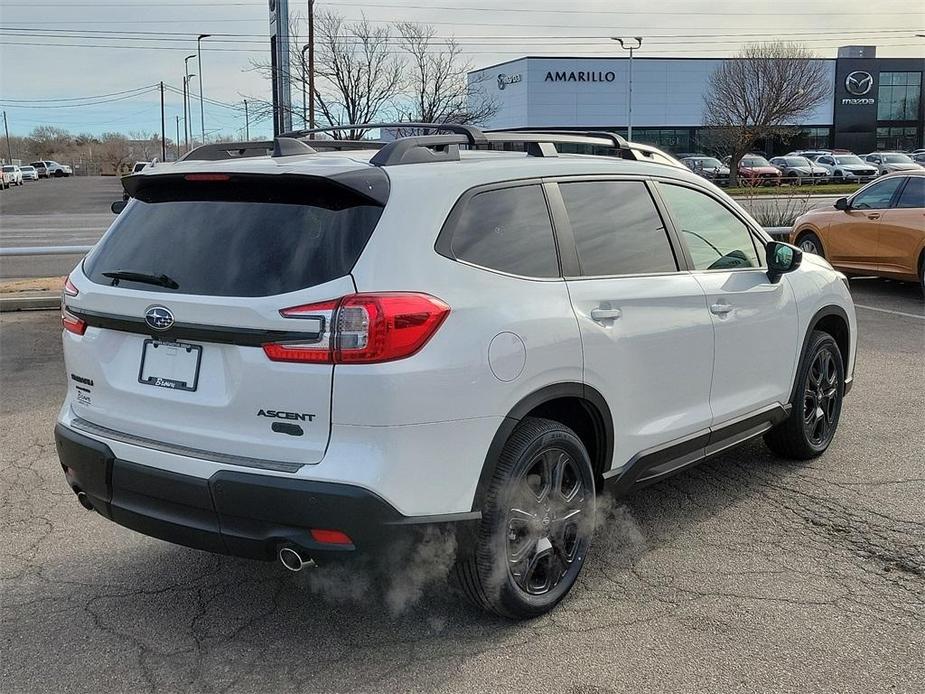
[(30, 303)]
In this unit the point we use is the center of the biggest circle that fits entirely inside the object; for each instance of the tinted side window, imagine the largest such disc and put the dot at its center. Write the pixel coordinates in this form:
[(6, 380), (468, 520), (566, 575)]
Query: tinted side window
[(617, 228), (877, 196), (716, 238), (507, 230), (913, 194)]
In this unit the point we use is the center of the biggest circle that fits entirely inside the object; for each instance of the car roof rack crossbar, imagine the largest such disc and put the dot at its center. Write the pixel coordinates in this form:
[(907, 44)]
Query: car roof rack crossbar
[(474, 135), (229, 150), (419, 150)]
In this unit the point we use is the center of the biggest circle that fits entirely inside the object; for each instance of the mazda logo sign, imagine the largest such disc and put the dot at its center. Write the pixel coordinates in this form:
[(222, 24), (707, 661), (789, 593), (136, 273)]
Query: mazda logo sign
[(159, 318), (859, 83)]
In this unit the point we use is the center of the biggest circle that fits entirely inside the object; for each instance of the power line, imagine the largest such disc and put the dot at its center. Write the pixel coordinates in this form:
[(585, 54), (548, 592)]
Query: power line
[(79, 98), (93, 103)]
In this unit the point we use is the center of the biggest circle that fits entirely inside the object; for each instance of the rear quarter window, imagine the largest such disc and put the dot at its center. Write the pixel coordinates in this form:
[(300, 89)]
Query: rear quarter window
[(507, 229)]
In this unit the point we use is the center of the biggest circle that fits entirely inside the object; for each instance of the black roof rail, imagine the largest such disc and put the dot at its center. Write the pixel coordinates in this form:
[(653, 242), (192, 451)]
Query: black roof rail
[(419, 150), (473, 134), (229, 150)]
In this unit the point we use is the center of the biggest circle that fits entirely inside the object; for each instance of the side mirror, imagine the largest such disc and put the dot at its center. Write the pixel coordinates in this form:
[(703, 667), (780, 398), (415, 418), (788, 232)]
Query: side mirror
[(782, 258), (118, 206), (842, 204)]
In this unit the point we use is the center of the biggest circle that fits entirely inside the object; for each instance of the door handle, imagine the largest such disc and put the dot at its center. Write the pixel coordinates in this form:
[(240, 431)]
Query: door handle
[(720, 309), (874, 215), (602, 314)]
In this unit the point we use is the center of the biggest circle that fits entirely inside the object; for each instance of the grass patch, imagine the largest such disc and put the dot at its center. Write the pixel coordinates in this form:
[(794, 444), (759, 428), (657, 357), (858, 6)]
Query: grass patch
[(799, 191)]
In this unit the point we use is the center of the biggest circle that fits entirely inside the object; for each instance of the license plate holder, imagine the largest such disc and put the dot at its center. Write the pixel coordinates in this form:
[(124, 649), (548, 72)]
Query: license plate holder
[(173, 365)]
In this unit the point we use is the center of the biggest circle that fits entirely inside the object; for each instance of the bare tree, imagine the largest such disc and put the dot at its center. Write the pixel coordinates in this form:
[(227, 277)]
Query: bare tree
[(435, 80), (115, 152), (46, 141), (357, 74), (144, 146), (762, 92)]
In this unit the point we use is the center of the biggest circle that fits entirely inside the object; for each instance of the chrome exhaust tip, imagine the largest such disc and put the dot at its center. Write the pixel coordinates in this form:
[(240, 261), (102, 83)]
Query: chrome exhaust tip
[(293, 560), (84, 500)]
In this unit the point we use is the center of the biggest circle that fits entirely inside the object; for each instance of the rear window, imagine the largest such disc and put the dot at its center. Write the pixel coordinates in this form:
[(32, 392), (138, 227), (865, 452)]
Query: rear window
[(253, 237)]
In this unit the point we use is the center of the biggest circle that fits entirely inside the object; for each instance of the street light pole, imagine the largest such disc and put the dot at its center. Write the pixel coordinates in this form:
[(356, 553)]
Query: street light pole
[(6, 130), (247, 124), (202, 116), (178, 137), (630, 45), (187, 130)]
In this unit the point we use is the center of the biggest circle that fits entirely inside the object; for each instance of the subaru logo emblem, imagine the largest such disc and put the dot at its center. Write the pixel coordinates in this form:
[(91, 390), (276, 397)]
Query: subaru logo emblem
[(159, 318), (859, 83)]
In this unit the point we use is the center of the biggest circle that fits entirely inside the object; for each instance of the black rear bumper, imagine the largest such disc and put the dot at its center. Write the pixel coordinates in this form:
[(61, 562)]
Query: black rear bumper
[(237, 513)]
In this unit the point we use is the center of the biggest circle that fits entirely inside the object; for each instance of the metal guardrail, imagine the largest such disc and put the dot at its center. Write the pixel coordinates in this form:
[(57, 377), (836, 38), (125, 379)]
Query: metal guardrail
[(45, 250)]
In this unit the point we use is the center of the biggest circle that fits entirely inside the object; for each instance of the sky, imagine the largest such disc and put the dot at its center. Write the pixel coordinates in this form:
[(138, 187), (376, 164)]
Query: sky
[(55, 54)]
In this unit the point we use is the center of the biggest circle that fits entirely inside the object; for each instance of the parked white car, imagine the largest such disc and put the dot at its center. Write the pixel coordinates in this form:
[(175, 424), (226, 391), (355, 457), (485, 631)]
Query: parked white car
[(29, 173), (13, 174), (847, 168), (432, 337), (890, 162), (58, 170)]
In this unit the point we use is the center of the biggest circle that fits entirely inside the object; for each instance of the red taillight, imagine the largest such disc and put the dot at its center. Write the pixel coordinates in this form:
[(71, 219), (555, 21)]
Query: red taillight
[(364, 328), (207, 177), (330, 537), (72, 323), (69, 288)]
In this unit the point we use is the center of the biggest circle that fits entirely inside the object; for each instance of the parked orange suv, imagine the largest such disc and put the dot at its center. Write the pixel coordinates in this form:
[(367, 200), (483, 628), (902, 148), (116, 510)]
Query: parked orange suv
[(880, 230)]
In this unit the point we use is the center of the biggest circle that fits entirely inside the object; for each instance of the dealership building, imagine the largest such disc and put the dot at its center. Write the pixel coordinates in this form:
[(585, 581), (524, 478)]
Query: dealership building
[(873, 103)]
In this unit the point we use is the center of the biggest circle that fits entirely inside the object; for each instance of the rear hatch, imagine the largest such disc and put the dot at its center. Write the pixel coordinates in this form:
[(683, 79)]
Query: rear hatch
[(186, 287)]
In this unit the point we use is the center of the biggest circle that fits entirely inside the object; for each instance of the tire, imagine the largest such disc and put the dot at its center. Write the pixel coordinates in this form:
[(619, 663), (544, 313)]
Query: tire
[(535, 534), (810, 243), (820, 386)]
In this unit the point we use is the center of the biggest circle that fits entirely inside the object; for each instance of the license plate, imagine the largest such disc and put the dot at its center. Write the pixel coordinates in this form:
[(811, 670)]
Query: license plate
[(173, 365)]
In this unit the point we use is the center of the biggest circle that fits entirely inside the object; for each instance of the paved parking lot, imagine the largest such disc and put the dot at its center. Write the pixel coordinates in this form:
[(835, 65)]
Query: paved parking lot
[(745, 574)]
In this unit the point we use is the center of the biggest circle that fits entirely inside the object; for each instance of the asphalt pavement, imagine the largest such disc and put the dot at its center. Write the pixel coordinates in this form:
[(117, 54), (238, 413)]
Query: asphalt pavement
[(745, 574), (54, 212)]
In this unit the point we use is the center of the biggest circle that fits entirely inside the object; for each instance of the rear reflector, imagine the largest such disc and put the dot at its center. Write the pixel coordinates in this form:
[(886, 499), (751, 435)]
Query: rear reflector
[(330, 537), (364, 328), (72, 323), (69, 288)]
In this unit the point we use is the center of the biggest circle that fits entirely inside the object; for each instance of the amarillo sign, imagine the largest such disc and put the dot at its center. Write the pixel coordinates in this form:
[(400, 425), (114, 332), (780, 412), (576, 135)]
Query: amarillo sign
[(580, 76)]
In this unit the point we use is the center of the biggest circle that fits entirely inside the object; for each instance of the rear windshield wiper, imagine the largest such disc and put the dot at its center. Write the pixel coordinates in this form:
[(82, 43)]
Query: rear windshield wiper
[(143, 277)]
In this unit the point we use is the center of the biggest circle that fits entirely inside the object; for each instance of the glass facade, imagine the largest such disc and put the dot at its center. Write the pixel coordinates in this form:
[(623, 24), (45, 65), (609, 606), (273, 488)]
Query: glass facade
[(898, 98), (897, 138), (669, 139)]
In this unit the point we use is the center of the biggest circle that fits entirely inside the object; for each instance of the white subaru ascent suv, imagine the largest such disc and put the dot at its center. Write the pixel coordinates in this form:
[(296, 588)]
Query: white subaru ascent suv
[(301, 349)]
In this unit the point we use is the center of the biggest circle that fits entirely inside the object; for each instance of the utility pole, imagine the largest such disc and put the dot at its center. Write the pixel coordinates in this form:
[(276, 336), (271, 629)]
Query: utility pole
[(633, 44), (178, 137), (163, 128), (202, 113), (6, 131), (247, 125), (311, 65)]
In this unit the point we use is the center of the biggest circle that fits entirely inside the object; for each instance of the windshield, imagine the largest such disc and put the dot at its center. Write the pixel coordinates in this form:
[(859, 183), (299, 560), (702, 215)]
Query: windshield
[(755, 161), (9, 168), (710, 163), (797, 161), (239, 238), (848, 159), (27, 168), (897, 159)]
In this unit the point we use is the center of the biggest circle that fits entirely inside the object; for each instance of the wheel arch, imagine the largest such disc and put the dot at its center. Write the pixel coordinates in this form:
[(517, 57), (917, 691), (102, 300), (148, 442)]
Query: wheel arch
[(576, 405), (833, 320), (803, 231)]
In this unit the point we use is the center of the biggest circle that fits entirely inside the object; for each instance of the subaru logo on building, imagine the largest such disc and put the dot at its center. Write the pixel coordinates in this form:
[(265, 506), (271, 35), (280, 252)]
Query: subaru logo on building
[(859, 82), (159, 318), (504, 80)]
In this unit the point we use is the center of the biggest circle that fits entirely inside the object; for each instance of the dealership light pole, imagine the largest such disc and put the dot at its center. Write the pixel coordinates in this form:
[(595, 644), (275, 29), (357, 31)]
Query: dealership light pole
[(247, 124), (186, 110), (202, 113), (630, 45)]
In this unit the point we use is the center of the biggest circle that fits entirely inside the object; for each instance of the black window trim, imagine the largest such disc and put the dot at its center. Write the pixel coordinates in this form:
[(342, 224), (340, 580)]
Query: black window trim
[(760, 238), (899, 193), (443, 244), (571, 266)]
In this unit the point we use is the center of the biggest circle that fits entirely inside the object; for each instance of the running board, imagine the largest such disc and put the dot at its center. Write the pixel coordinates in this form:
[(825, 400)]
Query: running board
[(654, 464)]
